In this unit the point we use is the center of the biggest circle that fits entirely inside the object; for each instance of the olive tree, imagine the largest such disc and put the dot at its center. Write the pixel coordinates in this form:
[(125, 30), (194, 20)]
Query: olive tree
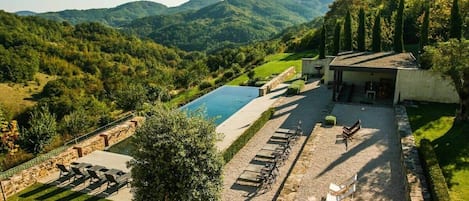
[(176, 157)]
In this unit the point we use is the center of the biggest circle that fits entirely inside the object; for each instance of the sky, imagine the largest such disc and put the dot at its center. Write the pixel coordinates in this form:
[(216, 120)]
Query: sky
[(58, 5)]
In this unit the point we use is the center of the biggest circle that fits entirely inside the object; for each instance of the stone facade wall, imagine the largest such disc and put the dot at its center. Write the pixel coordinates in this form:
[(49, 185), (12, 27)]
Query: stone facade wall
[(416, 185), (28, 177), (265, 89), (308, 64)]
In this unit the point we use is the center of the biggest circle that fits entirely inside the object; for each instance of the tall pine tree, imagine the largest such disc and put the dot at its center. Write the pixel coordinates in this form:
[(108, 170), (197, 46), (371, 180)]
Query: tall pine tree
[(361, 30), (424, 28), (399, 29), (456, 21), (348, 32), (336, 49), (376, 47), (322, 45)]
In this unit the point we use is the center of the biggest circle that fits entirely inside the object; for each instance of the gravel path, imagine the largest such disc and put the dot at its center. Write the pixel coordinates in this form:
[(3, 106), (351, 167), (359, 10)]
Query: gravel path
[(309, 107), (373, 155)]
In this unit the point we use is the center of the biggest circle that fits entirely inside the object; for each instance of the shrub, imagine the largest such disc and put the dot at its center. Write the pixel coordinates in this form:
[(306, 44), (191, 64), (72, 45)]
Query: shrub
[(247, 135), (330, 120), (205, 85), (12, 160), (433, 173), (228, 74), (295, 87)]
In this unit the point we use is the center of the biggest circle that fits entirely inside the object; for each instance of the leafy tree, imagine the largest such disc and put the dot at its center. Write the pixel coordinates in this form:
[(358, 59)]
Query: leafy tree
[(336, 49), (451, 59), (399, 29), (424, 28), (177, 158), (76, 123), (131, 96), (322, 45), (376, 42), (456, 21), (361, 31), (348, 32), (42, 128)]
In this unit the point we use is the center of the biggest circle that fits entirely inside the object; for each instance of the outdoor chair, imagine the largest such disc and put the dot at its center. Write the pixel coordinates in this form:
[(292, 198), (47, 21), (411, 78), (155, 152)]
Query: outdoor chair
[(337, 188), (348, 129), (349, 134), (119, 179), (64, 171), (332, 196)]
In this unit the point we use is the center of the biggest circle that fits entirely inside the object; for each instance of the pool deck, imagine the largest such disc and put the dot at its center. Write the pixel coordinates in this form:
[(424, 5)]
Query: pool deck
[(102, 158), (240, 121)]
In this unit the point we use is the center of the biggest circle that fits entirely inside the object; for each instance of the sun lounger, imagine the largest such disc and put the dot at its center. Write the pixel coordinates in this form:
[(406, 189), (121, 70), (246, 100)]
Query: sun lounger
[(78, 170), (117, 178), (95, 173), (64, 171)]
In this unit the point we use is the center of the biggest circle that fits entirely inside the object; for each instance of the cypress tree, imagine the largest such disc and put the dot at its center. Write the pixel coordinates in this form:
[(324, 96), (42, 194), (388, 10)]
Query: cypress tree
[(348, 32), (322, 45), (399, 29), (424, 28), (456, 22), (336, 39), (361, 30), (377, 33)]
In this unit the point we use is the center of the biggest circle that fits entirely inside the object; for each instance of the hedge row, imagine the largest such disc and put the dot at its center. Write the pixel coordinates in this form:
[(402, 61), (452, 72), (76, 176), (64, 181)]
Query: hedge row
[(295, 87), (433, 173), (247, 135)]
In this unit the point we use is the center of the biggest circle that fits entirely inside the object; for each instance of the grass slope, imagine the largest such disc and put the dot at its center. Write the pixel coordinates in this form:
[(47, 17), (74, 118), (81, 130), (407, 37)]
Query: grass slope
[(276, 64), (40, 191), (18, 97), (436, 123)]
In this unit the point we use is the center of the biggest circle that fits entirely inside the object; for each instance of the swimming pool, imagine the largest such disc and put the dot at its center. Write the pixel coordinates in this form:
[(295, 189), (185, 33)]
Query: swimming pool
[(223, 102), (219, 105)]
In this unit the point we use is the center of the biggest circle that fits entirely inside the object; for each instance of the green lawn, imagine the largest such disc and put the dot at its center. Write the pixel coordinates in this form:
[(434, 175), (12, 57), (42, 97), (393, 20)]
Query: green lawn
[(40, 191), (450, 141), (275, 64)]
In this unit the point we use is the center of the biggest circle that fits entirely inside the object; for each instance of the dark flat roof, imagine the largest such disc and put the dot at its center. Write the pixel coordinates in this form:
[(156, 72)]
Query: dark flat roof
[(369, 60)]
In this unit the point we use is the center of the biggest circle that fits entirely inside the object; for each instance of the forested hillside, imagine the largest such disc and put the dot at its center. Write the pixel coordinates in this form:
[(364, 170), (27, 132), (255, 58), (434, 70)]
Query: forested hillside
[(95, 73), (227, 23), (124, 13)]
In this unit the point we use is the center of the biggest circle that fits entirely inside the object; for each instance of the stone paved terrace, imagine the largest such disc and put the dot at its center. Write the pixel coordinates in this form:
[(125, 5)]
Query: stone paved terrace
[(240, 121), (374, 155), (310, 107), (102, 158)]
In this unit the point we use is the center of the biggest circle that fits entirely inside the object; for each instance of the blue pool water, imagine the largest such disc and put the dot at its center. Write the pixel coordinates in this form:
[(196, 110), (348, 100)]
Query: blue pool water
[(219, 104), (223, 102)]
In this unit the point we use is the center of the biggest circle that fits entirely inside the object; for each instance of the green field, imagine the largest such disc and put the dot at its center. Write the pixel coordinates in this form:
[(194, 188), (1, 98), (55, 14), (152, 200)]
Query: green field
[(20, 96), (275, 64), (40, 191), (436, 123)]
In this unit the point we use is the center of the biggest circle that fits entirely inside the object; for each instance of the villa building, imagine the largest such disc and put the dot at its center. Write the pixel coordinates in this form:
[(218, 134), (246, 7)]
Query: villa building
[(381, 78)]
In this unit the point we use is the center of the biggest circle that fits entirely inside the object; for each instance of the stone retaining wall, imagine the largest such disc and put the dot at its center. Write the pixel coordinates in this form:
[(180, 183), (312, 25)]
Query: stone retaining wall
[(416, 185), (265, 89), (28, 177)]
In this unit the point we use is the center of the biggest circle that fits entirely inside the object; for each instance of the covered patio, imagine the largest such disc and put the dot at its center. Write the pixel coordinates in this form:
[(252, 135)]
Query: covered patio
[(366, 77)]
